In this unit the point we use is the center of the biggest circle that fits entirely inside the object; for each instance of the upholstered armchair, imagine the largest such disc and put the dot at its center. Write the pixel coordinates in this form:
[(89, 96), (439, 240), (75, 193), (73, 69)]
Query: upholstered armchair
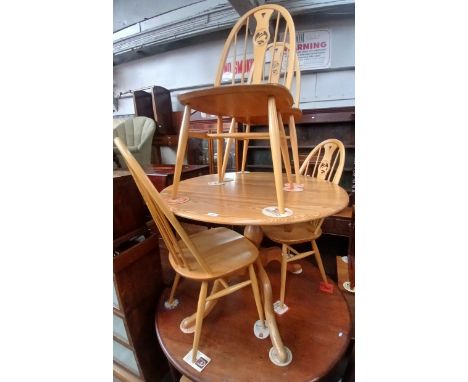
[(137, 134)]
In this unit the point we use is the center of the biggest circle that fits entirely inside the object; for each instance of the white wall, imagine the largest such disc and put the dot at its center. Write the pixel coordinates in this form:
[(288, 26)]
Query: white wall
[(196, 65)]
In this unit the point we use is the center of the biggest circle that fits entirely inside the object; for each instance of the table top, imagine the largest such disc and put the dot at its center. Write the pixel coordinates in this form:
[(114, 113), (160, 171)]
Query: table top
[(316, 329), (159, 169), (241, 201)]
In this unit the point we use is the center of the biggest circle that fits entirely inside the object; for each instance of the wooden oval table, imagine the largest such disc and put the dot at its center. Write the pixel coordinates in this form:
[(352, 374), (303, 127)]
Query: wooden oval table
[(241, 200), (317, 329)]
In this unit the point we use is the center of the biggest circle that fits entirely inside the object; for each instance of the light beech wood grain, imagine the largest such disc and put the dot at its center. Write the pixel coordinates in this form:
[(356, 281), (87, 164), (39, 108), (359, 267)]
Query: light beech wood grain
[(240, 202), (324, 163), (266, 93)]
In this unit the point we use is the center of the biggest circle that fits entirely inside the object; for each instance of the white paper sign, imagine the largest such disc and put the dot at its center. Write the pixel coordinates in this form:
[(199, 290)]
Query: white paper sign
[(313, 49)]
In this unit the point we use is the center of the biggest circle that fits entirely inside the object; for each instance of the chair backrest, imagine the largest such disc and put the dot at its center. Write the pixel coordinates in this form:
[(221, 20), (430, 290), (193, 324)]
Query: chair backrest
[(279, 69), (135, 131), (296, 77), (325, 161), (161, 214)]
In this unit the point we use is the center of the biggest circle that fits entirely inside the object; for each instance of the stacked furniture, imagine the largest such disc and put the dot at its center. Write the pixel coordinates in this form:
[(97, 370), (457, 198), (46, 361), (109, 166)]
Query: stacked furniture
[(251, 96), (257, 95)]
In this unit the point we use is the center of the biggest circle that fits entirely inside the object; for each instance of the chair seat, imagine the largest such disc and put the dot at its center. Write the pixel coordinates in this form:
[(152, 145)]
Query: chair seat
[(246, 103), (225, 251), (292, 234), (263, 120)]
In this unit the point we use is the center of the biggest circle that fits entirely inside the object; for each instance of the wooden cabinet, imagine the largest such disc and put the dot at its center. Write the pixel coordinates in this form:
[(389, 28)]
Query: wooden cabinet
[(157, 105), (137, 287)]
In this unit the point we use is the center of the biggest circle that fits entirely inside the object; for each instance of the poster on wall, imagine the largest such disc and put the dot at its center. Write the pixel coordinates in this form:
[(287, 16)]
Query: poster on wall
[(313, 49)]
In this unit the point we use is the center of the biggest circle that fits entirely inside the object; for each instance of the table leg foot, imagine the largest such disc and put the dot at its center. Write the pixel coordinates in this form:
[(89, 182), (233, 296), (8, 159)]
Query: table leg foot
[(276, 360), (281, 352), (295, 268), (255, 235), (187, 325), (261, 331)]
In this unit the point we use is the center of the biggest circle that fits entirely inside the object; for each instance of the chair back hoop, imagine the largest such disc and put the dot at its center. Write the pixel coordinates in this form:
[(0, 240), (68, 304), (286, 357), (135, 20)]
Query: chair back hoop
[(162, 215), (327, 159), (283, 42), (315, 225)]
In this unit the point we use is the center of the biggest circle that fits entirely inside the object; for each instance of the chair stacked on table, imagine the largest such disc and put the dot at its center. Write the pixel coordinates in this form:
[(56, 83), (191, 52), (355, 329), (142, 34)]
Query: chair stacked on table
[(256, 90)]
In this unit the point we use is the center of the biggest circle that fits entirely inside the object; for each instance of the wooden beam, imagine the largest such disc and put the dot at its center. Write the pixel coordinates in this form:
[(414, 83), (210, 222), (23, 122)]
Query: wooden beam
[(243, 6)]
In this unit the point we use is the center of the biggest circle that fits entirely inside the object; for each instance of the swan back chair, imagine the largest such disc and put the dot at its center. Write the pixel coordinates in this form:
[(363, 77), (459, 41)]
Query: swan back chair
[(204, 256), (325, 163), (265, 96)]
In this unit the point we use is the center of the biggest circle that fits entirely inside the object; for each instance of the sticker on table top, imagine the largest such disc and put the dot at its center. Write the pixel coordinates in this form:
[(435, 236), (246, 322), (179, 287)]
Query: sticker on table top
[(347, 287), (180, 200), (280, 309), (201, 361), (293, 187), (273, 212), (212, 214), (217, 183), (261, 330)]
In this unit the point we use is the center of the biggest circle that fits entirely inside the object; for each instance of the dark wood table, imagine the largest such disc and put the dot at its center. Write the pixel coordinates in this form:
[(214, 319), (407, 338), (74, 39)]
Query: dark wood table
[(316, 328)]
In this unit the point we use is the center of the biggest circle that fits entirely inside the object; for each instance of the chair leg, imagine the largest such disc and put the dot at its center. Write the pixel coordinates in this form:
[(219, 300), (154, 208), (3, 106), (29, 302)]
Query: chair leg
[(210, 156), (219, 148), (294, 148), (199, 319), (188, 322), (319, 261), (284, 149), (181, 147), (174, 287), (256, 293), (276, 152), (228, 148), (284, 268), (245, 148)]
